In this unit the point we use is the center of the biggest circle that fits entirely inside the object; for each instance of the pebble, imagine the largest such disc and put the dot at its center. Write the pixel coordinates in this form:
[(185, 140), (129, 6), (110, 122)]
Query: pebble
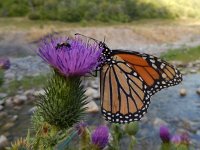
[(40, 92), (198, 91), (14, 118), (29, 92), (3, 141), (8, 125), (183, 92), (193, 71), (158, 122), (9, 102), (32, 110), (1, 107), (3, 114), (3, 95), (19, 99), (2, 101), (198, 132)]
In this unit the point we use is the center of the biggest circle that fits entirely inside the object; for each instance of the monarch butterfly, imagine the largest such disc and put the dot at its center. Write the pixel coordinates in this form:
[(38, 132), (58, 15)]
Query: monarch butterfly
[(128, 79)]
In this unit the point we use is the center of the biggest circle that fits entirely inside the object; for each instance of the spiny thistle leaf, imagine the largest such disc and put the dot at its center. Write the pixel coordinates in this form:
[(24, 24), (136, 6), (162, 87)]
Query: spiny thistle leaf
[(63, 103)]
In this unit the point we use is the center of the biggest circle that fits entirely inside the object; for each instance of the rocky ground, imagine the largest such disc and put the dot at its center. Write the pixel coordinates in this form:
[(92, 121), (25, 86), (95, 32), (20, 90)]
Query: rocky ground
[(178, 106)]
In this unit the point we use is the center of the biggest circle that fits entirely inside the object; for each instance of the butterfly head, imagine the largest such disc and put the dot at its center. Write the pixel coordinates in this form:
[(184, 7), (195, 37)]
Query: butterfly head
[(106, 52)]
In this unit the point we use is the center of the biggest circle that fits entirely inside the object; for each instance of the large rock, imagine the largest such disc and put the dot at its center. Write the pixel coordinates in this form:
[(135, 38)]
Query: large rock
[(3, 142), (91, 106), (90, 92)]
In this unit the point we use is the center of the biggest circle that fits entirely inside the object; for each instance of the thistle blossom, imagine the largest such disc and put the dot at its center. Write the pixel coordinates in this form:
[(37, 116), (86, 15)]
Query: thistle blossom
[(176, 139), (100, 137), (70, 56), (80, 127), (185, 139), (4, 63), (164, 134)]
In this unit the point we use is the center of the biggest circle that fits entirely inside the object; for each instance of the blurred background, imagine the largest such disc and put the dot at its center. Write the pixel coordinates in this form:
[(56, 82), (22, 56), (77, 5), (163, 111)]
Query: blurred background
[(166, 28)]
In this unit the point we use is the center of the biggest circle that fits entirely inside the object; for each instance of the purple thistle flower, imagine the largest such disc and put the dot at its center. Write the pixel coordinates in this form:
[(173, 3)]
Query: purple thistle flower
[(185, 138), (70, 56), (4, 63), (100, 136), (164, 134), (81, 127), (176, 139)]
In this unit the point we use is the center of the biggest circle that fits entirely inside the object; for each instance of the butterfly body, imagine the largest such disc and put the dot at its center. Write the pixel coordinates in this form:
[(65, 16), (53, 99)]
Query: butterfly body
[(128, 79)]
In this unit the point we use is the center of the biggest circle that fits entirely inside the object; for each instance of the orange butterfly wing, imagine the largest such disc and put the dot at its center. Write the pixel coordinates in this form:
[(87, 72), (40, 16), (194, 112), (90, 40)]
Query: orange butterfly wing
[(128, 83)]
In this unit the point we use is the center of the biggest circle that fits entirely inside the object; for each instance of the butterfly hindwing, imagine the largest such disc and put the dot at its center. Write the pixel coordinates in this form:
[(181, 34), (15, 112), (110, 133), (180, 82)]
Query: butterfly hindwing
[(123, 97)]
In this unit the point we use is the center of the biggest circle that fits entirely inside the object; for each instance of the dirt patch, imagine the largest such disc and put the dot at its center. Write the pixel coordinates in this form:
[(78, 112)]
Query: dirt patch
[(151, 37)]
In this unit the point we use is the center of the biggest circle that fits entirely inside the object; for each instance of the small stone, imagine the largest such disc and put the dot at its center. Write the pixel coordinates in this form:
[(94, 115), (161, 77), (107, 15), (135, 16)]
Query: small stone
[(1, 107), (198, 132), (183, 92), (3, 142), (10, 76), (3, 95), (19, 99), (14, 118), (22, 97), (91, 107), (32, 110), (9, 102), (3, 114), (17, 107), (193, 71), (198, 91), (2, 101), (144, 119), (29, 92), (8, 125), (158, 122), (38, 93)]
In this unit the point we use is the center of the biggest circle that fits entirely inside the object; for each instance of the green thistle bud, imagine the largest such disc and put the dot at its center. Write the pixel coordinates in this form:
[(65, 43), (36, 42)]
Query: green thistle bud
[(132, 128)]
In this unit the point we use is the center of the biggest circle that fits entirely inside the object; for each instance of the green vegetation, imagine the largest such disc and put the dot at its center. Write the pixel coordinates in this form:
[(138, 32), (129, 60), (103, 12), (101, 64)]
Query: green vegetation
[(183, 54), (99, 10), (24, 84), (1, 77)]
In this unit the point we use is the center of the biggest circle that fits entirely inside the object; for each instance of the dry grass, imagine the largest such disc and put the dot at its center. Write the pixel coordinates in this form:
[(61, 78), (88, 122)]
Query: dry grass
[(144, 31)]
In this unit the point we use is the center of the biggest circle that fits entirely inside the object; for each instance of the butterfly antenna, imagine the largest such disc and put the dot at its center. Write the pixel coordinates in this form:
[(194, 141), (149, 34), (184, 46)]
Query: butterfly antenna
[(87, 37), (104, 39)]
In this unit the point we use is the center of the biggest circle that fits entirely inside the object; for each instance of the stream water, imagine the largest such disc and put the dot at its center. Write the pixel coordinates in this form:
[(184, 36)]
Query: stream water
[(178, 112)]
